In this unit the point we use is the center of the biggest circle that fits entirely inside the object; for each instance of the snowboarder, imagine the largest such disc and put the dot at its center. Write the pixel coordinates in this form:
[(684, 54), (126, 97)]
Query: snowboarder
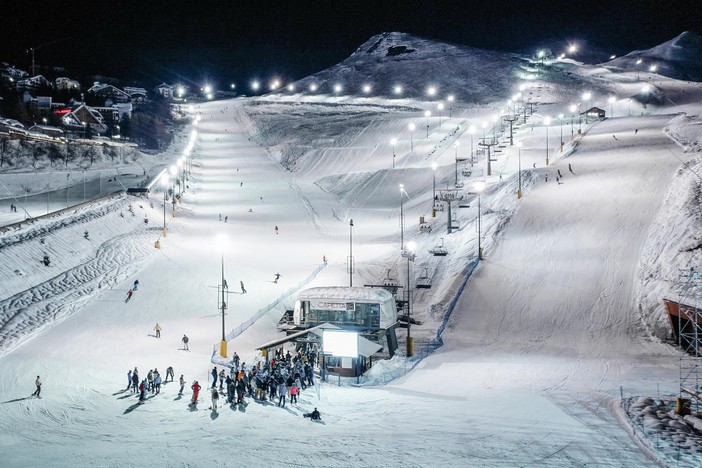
[(182, 384), (277, 276), (129, 295), (214, 377), (37, 392), (276, 230), (196, 391), (243, 289), (136, 285), (570, 169), (158, 330), (169, 371), (314, 415), (185, 343), (142, 392), (215, 398)]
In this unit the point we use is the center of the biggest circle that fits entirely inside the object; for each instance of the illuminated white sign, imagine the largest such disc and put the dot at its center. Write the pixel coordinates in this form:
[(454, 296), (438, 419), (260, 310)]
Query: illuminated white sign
[(340, 343)]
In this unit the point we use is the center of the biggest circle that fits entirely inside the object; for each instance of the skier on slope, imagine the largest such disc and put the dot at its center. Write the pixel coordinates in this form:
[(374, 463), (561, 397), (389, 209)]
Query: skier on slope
[(37, 392), (136, 285), (196, 391), (185, 343), (277, 277), (129, 295)]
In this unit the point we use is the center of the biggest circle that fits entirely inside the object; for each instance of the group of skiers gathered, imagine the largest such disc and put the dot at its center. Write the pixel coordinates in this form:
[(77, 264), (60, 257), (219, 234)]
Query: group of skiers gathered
[(152, 382)]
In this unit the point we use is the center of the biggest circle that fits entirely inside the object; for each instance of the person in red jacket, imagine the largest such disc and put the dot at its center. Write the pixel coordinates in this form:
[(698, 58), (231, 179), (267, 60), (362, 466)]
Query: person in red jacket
[(196, 391)]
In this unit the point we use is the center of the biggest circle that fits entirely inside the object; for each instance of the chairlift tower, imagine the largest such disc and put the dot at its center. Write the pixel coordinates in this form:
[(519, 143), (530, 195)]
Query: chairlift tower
[(690, 336), (448, 196), (488, 143), (511, 121)]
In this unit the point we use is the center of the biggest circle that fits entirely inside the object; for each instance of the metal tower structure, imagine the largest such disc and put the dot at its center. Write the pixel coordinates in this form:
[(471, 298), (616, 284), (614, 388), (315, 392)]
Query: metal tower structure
[(690, 336)]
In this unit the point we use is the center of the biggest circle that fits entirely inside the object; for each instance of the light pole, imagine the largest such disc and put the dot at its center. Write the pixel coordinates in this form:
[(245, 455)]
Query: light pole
[(181, 185), (164, 182), (225, 289), (455, 154), (409, 254), (412, 126), (450, 101), (173, 171), (519, 171), (479, 189), (573, 108), (547, 122), (586, 97), (393, 142), (427, 114), (433, 189), (471, 131), (402, 220), (350, 262), (440, 107), (560, 119)]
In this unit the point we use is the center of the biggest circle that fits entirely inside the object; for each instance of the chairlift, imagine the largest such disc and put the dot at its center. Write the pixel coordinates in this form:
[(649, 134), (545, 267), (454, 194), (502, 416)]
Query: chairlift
[(439, 250), (425, 227), (388, 281), (459, 184), (424, 282), (438, 207), (466, 172)]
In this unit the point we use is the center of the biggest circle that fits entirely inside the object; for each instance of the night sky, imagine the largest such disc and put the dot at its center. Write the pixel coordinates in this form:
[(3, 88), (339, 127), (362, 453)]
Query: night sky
[(234, 41)]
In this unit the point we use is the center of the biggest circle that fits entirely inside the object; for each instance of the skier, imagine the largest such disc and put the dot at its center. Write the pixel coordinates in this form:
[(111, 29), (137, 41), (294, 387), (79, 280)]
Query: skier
[(243, 289), (142, 392), (136, 285), (169, 371), (182, 384), (185, 343), (215, 398), (282, 391), (615, 137), (235, 358), (324, 259), (221, 379), (636, 131), (129, 379), (559, 174), (277, 276), (276, 230), (157, 383), (37, 392), (226, 218), (135, 380), (214, 377), (158, 330), (294, 390), (570, 169), (129, 295), (196, 391)]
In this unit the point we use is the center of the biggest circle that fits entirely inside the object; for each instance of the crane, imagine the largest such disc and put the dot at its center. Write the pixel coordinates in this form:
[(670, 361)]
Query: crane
[(41, 46)]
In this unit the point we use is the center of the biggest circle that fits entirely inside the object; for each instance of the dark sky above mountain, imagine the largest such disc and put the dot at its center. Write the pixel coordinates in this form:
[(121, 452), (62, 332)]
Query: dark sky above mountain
[(238, 40)]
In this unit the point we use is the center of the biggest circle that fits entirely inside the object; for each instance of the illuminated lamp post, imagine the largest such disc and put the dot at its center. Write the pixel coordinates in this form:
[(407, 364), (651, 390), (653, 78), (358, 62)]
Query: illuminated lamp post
[(547, 122), (450, 98), (433, 188), (440, 107), (409, 254), (586, 97), (471, 131), (224, 288), (519, 170), (165, 181), (479, 187), (412, 126), (427, 114), (393, 142)]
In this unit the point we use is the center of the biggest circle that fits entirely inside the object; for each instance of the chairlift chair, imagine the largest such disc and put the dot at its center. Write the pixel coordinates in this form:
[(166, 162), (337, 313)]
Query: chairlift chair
[(466, 172), (424, 282), (439, 250), (425, 227)]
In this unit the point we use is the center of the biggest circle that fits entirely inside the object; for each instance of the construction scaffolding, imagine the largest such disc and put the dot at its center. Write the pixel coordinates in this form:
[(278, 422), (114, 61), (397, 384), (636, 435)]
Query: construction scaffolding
[(689, 334)]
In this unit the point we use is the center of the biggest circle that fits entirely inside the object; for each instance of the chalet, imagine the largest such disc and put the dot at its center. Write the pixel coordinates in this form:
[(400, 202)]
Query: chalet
[(83, 116), (35, 83), (67, 84), (108, 94), (48, 130), (7, 124), (12, 72), (165, 90), (136, 95), (594, 113)]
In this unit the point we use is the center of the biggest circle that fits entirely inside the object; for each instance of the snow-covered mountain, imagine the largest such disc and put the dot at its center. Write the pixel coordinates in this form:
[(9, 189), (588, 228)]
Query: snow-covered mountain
[(541, 338), (677, 58)]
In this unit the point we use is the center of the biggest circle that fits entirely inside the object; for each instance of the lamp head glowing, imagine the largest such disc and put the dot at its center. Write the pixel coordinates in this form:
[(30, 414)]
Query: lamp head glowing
[(412, 126)]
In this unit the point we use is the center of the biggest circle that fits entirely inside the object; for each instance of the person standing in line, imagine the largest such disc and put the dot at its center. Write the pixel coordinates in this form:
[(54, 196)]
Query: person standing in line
[(182, 384), (243, 289), (158, 330), (215, 398), (282, 391), (214, 377), (221, 379), (37, 392), (196, 391), (185, 343), (294, 390)]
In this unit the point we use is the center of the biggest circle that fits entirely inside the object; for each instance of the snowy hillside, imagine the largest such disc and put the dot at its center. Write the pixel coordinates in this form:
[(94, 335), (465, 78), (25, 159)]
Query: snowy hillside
[(530, 356)]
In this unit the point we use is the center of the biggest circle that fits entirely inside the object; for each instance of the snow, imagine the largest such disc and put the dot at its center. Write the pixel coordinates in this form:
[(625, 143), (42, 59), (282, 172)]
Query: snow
[(554, 349)]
